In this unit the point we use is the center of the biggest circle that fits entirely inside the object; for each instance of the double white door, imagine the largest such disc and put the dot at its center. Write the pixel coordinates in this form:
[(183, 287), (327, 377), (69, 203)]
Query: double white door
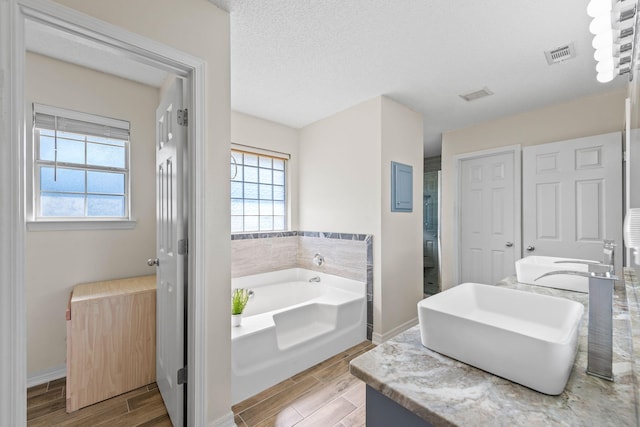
[(571, 202)]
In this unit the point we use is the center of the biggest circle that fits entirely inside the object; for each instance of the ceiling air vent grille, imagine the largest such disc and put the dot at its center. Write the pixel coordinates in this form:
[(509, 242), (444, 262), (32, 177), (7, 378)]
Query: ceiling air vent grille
[(477, 94), (560, 54)]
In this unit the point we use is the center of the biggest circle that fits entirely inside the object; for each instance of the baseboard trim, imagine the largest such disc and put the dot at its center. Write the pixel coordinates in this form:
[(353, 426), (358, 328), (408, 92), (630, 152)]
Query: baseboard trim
[(46, 375), (377, 338), (224, 421)]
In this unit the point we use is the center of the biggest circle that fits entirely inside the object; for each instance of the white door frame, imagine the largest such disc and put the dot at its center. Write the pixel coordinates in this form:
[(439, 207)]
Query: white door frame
[(516, 150), (13, 351)]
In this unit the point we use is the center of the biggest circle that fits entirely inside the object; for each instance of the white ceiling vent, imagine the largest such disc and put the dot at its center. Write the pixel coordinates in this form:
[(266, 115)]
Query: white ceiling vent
[(560, 54), (476, 94)]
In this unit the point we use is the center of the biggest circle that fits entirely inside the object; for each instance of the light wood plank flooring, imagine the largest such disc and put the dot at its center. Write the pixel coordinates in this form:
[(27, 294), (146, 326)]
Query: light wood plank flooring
[(142, 407), (324, 395)]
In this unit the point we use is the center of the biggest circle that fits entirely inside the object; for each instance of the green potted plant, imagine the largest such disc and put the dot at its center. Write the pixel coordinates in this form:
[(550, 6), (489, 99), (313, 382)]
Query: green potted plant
[(239, 299)]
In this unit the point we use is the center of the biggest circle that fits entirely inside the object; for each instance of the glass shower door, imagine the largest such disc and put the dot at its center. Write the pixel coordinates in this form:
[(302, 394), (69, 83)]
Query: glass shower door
[(430, 233)]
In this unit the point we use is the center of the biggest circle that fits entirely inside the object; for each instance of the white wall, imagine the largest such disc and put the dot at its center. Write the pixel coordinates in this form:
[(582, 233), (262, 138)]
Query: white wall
[(255, 132), (587, 116), (58, 260), (199, 28), (344, 187)]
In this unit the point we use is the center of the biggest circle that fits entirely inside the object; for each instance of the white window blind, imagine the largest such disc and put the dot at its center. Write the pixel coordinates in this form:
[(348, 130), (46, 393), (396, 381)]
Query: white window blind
[(53, 118), (81, 168)]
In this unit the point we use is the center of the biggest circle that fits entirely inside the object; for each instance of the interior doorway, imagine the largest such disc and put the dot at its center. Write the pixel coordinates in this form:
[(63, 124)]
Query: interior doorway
[(431, 226), (488, 215), (573, 197), (104, 37)]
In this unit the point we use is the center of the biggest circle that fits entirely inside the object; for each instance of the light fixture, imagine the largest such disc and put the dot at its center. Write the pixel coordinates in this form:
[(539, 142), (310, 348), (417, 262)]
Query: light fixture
[(613, 27)]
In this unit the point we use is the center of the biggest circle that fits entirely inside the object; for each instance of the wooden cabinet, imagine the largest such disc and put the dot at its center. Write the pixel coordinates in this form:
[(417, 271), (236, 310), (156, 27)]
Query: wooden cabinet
[(111, 339)]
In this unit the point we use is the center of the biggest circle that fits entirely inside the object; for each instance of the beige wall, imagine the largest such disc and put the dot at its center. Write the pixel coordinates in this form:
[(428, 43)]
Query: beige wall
[(255, 132), (200, 29), (340, 174), (402, 278), (591, 115), (344, 187), (58, 260), (340, 179)]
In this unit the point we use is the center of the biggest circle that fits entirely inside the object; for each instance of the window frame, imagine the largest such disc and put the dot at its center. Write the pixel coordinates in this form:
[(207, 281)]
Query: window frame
[(36, 221), (260, 152)]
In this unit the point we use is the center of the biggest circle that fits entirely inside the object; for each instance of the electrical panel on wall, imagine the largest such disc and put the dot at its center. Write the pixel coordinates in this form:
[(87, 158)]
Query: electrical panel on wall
[(401, 187)]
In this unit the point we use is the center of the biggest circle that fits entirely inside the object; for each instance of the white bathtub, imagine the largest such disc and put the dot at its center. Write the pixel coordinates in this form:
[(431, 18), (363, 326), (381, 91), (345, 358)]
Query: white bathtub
[(291, 324), (530, 268)]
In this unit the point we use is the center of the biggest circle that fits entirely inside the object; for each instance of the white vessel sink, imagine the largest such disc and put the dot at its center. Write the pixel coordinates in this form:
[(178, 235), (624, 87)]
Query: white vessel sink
[(527, 338), (530, 268)]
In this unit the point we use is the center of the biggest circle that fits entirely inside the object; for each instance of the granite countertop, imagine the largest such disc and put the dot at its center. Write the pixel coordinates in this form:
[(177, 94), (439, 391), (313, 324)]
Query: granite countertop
[(446, 392)]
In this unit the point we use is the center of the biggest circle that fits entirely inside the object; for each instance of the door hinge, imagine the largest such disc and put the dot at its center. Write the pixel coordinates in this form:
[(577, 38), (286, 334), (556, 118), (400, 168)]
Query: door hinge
[(182, 376), (183, 117), (183, 246)]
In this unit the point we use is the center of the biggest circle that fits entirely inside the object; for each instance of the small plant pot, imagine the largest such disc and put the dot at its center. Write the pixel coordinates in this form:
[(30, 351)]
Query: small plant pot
[(236, 320)]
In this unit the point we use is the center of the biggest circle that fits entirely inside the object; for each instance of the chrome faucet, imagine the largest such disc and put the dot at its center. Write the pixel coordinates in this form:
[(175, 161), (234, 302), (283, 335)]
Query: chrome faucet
[(315, 279), (600, 339), (607, 256)]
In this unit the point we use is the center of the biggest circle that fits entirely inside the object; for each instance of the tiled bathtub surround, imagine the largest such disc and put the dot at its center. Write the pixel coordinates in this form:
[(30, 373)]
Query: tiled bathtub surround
[(262, 254), (345, 258), (346, 255)]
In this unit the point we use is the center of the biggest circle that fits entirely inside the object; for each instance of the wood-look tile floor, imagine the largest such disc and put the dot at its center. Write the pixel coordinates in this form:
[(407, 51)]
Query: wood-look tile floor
[(141, 407), (325, 395)]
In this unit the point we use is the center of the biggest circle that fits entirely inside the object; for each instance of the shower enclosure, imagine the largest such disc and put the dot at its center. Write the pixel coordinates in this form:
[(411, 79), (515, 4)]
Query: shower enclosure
[(430, 231)]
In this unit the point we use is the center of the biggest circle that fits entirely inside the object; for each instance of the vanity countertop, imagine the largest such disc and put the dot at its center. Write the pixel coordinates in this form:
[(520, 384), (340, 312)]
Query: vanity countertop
[(446, 392)]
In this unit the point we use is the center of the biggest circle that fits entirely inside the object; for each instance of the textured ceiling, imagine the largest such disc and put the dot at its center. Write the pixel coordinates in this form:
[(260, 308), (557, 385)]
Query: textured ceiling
[(298, 61)]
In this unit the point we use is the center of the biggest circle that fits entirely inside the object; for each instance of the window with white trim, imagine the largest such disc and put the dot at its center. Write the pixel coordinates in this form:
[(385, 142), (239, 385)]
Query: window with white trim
[(81, 166), (258, 192)]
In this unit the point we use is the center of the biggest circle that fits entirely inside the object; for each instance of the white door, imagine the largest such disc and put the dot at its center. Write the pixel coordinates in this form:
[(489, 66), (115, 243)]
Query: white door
[(171, 230), (487, 214), (573, 197)]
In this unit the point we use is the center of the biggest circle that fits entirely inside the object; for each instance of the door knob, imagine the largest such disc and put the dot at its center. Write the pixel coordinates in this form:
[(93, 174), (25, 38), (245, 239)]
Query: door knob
[(153, 261), (531, 248), (508, 244)]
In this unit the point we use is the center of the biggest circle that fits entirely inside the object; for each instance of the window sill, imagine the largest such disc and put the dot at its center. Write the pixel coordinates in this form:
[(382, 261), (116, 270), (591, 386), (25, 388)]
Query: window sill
[(81, 225)]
